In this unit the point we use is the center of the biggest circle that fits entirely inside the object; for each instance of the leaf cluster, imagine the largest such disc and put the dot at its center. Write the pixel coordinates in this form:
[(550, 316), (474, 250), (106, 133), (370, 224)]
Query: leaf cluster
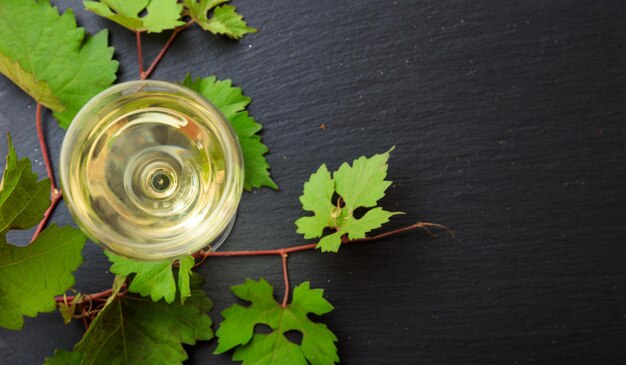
[(162, 306), (155, 16), (335, 201)]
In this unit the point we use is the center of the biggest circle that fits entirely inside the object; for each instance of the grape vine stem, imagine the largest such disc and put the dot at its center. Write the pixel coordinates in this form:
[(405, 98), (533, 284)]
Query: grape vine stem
[(145, 74), (283, 253), (139, 54), (55, 193)]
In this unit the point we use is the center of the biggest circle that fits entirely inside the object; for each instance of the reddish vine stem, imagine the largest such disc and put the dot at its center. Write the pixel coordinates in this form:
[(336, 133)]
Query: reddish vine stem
[(54, 200), (139, 54), (145, 74), (310, 246), (44, 148), (55, 193), (89, 297), (286, 278)]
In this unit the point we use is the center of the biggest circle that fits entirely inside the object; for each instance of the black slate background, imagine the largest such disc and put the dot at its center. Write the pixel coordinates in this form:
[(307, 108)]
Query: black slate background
[(508, 122)]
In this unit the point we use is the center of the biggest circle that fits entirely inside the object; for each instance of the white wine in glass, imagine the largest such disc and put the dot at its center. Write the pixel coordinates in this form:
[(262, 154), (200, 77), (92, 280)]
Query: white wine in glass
[(151, 170)]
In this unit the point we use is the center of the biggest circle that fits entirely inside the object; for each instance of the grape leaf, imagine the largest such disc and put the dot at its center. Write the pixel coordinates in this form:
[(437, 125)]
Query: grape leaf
[(31, 276), (358, 186), (23, 199), (62, 357), (135, 330), (52, 59), (198, 9), (38, 90), (154, 278), (224, 21), (317, 198), (232, 103), (67, 309), (160, 14), (237, 329), (185, 264)]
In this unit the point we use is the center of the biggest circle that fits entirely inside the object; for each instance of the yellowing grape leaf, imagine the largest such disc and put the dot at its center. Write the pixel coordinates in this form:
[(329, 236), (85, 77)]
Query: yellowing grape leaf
[(155, 278), (68, 308), (358, 186), (237, 330), (160, 14), (136, 330), (52, 59), (38, 90), (232, 103)]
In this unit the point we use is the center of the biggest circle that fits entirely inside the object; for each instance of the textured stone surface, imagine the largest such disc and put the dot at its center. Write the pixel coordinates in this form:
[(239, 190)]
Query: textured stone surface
[(509, 125)]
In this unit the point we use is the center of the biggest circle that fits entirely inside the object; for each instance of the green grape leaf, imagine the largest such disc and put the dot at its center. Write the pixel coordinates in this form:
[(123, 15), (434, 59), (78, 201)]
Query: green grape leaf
[(62, 357), (232, 103), (361, 185), (23, 199), (51, 58), (154, 278), (198, 9), (185, 264), (135, 330), (224, 21), (317, 198), (31, 276), (237, 329), (160, 14)]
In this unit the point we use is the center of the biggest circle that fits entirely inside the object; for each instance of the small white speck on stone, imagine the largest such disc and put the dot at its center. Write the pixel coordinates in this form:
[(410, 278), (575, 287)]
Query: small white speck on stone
[(249, 46)]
